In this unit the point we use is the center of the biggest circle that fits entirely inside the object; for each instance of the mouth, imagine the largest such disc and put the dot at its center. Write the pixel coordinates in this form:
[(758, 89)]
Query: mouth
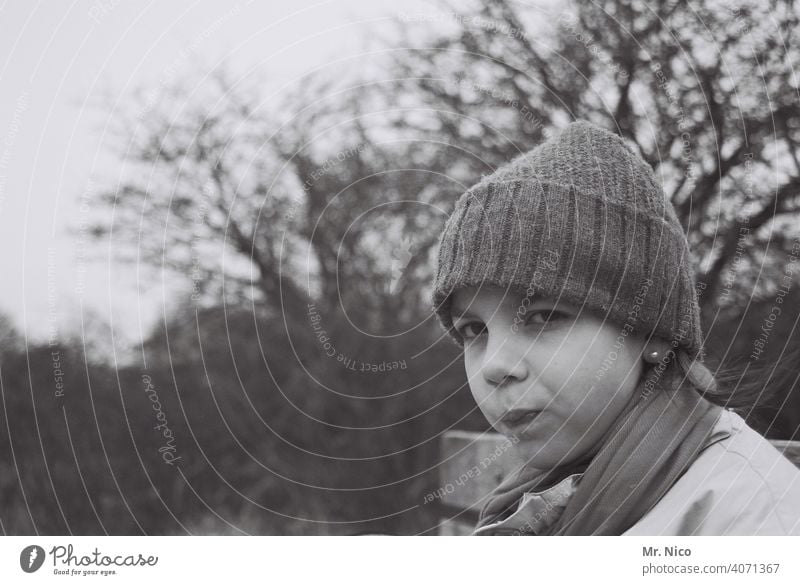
[(518, 419)]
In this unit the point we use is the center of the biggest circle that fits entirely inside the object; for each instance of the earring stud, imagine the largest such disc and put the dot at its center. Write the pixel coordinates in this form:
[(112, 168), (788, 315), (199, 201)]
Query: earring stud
[(652, 357)]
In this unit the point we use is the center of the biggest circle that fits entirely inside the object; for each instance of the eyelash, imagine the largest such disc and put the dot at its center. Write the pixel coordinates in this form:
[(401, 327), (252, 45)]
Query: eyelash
[(550, 313)]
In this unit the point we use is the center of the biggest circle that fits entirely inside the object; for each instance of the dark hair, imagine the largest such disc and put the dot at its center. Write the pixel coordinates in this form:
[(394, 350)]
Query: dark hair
[(752, 390)]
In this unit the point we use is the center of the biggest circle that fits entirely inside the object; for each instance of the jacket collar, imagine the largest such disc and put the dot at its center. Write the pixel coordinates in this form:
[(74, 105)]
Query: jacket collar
[(537, 511)]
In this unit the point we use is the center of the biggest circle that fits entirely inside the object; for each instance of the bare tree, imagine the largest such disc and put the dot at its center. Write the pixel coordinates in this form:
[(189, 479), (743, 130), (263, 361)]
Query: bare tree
[(708, 94), (280, 206), (336, 194)]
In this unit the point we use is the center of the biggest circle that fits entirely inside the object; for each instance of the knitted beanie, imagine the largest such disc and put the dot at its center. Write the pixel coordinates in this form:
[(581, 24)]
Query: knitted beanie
[(580, 218)]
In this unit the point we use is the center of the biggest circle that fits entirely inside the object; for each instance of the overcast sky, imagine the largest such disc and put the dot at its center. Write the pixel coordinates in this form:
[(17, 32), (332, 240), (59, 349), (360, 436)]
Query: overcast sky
[(58, 58)]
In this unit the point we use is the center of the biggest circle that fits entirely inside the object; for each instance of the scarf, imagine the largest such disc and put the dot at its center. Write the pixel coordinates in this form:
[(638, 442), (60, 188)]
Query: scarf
[(644, 452)]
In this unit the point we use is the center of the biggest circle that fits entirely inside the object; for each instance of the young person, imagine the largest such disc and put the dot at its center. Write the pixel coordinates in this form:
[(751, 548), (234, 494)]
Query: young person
[(566, 278)]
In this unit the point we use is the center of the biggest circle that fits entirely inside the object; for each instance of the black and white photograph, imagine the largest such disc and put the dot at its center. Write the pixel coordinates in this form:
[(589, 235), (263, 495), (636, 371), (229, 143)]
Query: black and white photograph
[(425, 268)]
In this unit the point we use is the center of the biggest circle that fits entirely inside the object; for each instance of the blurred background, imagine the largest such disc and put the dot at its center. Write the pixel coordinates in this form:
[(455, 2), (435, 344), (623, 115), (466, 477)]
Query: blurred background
[(219, 225)]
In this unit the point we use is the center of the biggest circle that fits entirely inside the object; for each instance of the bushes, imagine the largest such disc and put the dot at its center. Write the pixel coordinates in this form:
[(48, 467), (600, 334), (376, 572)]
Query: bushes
[(262, 446)]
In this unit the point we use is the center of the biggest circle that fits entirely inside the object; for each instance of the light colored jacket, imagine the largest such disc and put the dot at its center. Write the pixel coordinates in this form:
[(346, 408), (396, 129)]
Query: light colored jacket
[(739, 484)]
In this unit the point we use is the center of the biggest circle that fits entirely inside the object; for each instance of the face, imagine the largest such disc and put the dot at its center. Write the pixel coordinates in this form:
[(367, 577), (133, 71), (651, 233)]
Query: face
[(553, 363)]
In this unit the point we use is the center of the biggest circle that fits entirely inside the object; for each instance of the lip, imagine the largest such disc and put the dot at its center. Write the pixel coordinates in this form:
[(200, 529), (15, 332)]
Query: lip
[(519, 417)]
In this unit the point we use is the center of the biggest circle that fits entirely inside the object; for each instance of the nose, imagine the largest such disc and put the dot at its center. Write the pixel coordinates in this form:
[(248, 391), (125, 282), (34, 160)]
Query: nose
[(503, 365)]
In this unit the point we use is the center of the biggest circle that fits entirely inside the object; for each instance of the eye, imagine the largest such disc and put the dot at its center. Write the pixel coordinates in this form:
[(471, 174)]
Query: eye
[(545, 317), (471, 330)]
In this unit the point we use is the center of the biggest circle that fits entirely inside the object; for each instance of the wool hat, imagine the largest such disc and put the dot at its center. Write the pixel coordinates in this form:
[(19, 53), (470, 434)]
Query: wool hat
[(580, 218)]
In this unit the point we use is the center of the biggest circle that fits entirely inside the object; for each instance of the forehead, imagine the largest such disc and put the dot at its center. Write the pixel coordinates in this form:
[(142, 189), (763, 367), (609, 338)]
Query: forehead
[(474, 300)]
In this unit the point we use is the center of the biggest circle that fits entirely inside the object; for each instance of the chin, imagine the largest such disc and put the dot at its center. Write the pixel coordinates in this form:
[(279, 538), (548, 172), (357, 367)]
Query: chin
[(539, 457), (533, 454)]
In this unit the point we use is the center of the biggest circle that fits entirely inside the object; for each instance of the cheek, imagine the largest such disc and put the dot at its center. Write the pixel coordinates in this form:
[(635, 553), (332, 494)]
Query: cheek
[(592, 382), (570, 373), (474, 379), (596, 357), (470, 364)]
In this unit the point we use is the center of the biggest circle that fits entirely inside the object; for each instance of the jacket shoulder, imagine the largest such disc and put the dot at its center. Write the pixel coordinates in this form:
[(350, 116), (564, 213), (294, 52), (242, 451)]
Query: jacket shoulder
[(739, 484)]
